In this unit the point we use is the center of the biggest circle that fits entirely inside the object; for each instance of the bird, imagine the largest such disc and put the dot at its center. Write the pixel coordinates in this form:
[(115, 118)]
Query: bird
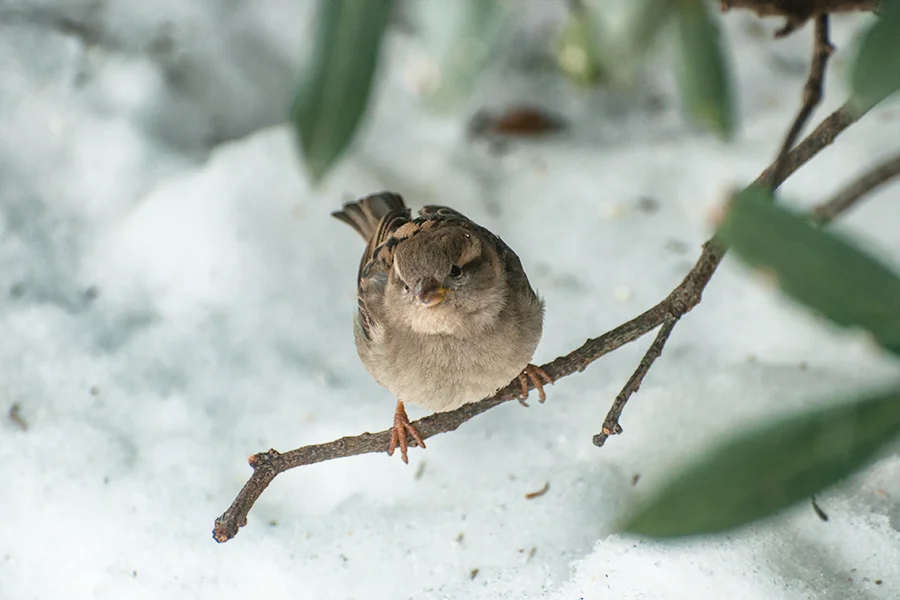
[(446, 315)]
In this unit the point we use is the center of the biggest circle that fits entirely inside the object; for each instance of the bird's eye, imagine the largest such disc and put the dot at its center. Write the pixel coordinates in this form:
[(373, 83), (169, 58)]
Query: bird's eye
[(405, 287), (455, 272)]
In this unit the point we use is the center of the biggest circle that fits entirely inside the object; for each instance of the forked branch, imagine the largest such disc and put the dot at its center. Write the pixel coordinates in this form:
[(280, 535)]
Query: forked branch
[(797, 12), (812, 92), (713, 253), (267, 465)]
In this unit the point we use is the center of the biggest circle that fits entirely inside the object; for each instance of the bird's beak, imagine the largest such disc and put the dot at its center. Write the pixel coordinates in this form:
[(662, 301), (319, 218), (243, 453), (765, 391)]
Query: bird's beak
[(429, 293)]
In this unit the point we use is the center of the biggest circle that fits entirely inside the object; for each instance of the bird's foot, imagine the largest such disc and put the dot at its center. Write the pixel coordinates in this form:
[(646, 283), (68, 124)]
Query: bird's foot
[(538, 378), (402, 426)]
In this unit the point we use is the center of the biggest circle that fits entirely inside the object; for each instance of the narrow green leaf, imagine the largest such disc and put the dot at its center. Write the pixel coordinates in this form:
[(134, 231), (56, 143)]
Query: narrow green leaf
[(647, 21), (814, 266), (334, 89), (876, 72), (462, 37), (769, 468), (579, 47), (704, 79)]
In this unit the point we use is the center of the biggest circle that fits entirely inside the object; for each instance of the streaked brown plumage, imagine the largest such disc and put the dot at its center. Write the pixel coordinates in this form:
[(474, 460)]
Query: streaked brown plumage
[(446, 315)]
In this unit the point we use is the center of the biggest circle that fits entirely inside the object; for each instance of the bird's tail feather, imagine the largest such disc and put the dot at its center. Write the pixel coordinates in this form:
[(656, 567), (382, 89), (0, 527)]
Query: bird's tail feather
[(365, 214)]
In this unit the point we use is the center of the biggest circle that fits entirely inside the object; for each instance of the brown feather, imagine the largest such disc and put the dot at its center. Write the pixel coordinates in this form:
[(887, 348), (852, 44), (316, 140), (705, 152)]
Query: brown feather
[(375, 218)]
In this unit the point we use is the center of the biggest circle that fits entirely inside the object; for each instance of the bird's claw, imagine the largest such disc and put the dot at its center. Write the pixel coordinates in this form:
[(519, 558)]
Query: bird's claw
[(402, 426), (538, 378)]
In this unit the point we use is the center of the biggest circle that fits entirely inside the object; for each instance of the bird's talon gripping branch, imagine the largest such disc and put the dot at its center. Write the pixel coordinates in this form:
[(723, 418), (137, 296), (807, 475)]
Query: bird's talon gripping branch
[(538, 378), (402, 426)]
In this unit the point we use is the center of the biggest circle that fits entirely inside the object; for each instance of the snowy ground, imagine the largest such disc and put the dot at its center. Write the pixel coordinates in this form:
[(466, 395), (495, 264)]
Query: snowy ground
[(176, 298)]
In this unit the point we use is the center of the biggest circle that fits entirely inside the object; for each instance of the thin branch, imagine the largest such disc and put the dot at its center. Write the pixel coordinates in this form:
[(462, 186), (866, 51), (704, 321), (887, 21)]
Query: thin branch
[(796, 13), (812, 91), (767, 8), (611, 424), (822, 137), (267, 465), (785, 164), (853, 192)]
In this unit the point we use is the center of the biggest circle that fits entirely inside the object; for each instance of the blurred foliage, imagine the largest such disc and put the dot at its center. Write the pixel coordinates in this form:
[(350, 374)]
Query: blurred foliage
[(462, 37), (580, 55), (334, 89), (876, 71), (647, 20), (815, 267), (704, 78), (757, 473)]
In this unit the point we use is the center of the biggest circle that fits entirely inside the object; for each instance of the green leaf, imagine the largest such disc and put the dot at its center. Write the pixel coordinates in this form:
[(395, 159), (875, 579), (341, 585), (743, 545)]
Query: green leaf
[(579, 54), (814, 266), (461, 39), (334, 90), (769, 468), (876, 72), (704, 79), (647, 21)]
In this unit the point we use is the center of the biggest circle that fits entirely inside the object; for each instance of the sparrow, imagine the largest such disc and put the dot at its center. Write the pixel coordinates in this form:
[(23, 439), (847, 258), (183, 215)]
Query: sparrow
[(446, 315)]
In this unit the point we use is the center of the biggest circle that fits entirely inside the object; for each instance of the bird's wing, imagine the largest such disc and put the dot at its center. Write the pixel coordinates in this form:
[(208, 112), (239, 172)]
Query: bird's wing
[(373, 267)]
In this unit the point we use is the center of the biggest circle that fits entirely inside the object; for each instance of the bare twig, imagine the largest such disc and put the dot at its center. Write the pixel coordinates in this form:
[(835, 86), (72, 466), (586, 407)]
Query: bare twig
[(538, 493), (851, 194), (823, 136), (267, 465), (812, 91), (611, 423), (785, 163)]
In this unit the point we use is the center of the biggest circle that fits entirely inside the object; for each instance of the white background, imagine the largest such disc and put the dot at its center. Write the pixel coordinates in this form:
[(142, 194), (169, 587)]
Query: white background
[(174, 297)]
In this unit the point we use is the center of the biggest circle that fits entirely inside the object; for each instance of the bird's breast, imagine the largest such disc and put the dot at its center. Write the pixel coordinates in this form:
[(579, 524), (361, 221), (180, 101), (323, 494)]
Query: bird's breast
[(441, 372)]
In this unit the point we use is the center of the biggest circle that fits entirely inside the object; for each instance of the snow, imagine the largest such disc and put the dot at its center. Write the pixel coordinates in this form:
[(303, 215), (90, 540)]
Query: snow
[(177, 298)]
